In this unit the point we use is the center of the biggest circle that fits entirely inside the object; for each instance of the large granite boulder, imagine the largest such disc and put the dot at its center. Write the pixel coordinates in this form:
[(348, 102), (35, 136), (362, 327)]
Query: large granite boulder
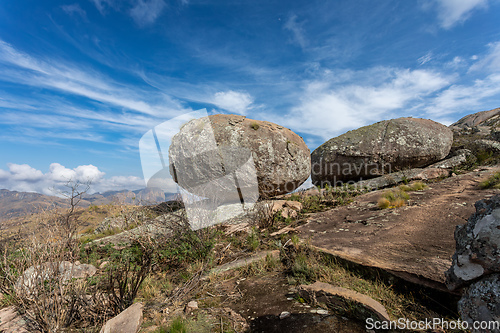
[(477, 245), (381, 148), (209, 155)]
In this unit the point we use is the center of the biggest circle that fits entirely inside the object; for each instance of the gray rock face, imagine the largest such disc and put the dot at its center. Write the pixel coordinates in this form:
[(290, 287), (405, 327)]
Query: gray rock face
[(458, 158), (244, 150), (486, 145), (477, 245), (396, 178), (12, 322), (128, 321), (378, 149), (481, 303), (63, 270)]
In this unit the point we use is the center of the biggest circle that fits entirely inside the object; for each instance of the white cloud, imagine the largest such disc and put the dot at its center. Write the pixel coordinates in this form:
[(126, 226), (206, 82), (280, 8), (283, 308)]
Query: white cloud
[(102, 5), (146, 12), (22, 177), (297, 31), (327, 108), (233, 101), (74, 9), (425, 59), (452, 12), (24, 173), (459, 98), (491, 61)]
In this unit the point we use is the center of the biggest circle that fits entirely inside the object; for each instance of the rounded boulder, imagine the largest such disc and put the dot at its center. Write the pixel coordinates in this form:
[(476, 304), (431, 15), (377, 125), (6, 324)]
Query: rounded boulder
[(381, 148), (208, 156)]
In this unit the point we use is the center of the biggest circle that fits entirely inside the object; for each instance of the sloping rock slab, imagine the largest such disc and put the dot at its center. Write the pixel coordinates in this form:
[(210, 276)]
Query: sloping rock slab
[(242, 262), (160, 227), (12, 322), (320, 292), (128, 321), (414, 242)]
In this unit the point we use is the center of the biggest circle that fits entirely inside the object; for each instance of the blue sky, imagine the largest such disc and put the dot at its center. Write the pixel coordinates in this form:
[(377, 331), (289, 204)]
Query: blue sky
[(82, 81)]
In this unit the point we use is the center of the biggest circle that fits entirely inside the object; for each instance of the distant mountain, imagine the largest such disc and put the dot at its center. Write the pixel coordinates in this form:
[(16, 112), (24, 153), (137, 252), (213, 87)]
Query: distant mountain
[(16, 204), (147, 196)]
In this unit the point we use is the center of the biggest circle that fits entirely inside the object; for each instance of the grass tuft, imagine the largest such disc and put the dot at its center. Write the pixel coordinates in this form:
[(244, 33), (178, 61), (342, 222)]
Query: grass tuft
[(492, 182)]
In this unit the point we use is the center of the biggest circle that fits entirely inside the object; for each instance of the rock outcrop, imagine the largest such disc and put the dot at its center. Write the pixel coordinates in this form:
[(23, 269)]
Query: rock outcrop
[(12, 322), (476, 265), (320, 292), (457, 158), (477, 245), (481, 303), (483, 118), (63, 270), (378, 149), (245, 151)]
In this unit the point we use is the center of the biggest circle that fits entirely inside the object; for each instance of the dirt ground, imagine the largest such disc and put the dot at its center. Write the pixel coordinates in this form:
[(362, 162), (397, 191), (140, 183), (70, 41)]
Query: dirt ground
[(415, 242), (262, 300)]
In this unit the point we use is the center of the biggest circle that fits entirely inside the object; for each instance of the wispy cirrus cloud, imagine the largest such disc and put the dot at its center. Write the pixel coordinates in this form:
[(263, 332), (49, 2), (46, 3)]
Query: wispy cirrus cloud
[(297, 30), (453, 12), (425, 58), (84, 82), (146, 12), (103, 5), (491, 61), (74, 9), (462, 97)]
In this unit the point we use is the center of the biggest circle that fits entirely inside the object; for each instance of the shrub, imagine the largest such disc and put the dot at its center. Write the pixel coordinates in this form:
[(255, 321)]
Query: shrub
[(255, 126), (393, 199), (253, 241), (383, 203)]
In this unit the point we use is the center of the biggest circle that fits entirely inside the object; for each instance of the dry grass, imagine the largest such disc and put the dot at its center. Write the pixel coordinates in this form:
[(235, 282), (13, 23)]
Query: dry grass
[(398, 197), (492, 182)]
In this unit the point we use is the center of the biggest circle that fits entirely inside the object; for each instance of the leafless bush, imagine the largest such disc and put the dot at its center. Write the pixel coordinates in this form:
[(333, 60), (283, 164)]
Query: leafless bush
[(31, 276), (126, 272)]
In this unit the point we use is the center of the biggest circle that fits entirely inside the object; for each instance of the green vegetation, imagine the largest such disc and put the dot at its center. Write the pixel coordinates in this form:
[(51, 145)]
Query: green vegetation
[(254, 125), (253, 240), (328, 197), (398, 197), (491, 182), (166, 272)]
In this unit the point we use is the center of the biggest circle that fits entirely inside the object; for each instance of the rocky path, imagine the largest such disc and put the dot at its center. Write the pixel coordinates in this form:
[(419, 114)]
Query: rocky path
[(414, 242)]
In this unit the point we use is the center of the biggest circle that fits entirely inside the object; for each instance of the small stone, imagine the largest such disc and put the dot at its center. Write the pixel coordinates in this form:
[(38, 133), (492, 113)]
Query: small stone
[(191, 306), (284, 314), (322, 312)]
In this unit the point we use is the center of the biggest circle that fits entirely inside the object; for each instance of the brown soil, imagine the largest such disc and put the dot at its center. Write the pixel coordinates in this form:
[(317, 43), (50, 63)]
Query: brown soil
[(414, 242), (262, 300)]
